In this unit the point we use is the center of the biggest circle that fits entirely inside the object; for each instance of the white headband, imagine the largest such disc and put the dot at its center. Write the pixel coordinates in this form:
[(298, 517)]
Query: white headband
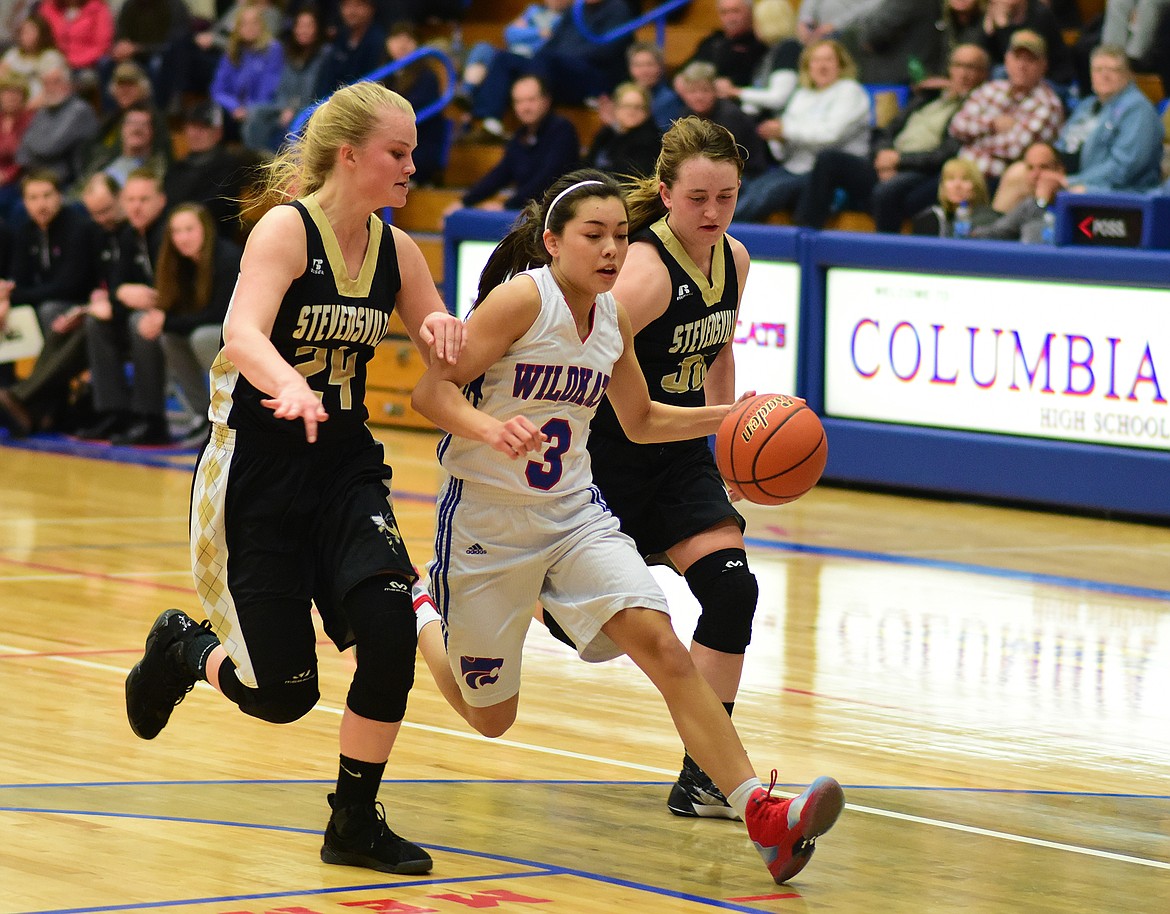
[(557, 198)]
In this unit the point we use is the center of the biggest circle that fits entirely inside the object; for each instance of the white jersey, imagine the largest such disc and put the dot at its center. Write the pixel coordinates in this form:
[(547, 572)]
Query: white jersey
[(556, 380)]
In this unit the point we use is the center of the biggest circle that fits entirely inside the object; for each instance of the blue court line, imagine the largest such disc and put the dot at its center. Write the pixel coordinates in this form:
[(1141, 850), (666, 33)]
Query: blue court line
[(568, 782), (538, 869), (1125, 590), (166, 458)]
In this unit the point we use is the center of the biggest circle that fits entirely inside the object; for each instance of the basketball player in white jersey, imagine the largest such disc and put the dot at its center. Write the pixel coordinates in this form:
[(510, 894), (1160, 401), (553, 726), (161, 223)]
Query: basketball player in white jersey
[(519, 519)]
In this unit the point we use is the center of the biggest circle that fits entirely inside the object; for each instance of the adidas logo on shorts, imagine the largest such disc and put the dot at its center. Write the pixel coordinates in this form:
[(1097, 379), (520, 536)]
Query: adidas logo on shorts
[(476, 549)]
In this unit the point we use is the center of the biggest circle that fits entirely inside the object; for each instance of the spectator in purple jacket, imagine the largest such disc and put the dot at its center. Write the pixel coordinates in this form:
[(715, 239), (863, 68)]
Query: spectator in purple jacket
[(249, 70)]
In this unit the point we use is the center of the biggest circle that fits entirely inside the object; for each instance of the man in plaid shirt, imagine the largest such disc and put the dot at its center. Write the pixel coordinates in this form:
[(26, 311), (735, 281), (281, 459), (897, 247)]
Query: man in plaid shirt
[(1004, 117)]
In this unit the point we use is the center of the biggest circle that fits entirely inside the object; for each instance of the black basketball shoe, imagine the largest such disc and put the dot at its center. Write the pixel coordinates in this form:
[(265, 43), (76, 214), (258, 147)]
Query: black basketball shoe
[(695, 795), (359, 836), (161, 679)]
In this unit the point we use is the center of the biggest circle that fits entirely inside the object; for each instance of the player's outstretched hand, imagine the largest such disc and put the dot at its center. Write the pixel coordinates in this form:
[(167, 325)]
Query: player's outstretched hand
[(298, 402), (443, 333), (516, 437)]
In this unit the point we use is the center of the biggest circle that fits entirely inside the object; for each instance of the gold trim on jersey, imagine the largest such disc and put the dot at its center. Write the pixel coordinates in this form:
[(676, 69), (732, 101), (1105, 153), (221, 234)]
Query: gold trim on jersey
[(712, 291), (351, 288), (209, 551)]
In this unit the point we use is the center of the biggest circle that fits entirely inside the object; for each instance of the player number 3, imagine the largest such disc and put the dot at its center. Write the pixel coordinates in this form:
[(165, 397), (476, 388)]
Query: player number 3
[(544, 474)]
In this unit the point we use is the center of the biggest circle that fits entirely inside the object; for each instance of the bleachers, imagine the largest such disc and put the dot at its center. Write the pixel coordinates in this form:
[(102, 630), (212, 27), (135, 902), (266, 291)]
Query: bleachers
[(485, 21)]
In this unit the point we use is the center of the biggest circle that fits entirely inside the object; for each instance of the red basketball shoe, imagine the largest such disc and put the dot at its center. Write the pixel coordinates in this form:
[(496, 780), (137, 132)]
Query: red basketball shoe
[(785, 831)]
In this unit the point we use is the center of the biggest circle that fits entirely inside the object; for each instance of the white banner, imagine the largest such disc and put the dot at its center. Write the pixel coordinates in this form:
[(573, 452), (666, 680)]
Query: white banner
[(1008, 356), (768, 330)]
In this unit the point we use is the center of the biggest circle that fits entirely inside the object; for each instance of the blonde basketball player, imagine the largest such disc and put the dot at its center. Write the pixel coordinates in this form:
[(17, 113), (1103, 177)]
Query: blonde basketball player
[(291, 503)]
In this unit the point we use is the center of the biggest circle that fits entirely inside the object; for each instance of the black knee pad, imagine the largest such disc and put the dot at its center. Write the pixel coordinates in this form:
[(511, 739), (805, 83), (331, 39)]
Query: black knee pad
[(277, 704), (381, 614), (727, 592)]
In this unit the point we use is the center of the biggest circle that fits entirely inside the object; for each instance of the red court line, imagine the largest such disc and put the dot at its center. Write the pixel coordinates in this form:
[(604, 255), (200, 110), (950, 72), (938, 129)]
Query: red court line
[(851, 701), (96, 575), (766, 897)]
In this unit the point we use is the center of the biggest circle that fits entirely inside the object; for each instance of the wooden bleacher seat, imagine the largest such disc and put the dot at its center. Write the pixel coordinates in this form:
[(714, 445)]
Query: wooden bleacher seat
[(1151, 85)]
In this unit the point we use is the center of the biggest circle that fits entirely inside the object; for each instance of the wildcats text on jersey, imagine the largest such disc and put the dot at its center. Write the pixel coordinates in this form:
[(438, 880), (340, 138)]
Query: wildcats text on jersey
[(713, 330), (559, 383), (344, 323)]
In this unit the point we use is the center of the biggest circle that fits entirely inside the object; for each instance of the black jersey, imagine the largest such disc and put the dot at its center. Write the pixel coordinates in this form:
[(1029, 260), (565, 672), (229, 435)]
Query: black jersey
[(676, 349), (327, 327)]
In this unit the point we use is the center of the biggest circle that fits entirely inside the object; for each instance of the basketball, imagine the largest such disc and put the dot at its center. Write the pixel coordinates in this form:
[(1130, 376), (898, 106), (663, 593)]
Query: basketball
[(771, 449)]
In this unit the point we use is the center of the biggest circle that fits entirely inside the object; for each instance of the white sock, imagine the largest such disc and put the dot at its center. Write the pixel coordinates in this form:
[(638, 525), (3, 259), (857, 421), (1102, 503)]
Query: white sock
[(738, 798), (425, 611)]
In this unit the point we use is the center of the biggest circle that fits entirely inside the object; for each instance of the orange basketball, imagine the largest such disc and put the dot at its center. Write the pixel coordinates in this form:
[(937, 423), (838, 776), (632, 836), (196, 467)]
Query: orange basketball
[(771, 449)]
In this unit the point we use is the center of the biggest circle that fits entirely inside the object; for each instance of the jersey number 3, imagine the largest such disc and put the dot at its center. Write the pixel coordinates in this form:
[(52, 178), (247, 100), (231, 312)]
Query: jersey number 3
[(544, 474)]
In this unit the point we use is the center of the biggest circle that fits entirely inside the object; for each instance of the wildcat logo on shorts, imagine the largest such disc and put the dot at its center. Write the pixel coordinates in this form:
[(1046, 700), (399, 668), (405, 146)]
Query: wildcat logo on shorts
[(480, 671)]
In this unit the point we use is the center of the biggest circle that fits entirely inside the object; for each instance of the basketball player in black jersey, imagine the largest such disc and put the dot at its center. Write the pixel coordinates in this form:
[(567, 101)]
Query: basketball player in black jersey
[(291, 499), (681, 285)]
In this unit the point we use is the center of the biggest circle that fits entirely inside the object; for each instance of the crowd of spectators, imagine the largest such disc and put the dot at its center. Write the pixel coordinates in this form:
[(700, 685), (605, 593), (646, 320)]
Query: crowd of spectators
[(130, 134), (798, 86)]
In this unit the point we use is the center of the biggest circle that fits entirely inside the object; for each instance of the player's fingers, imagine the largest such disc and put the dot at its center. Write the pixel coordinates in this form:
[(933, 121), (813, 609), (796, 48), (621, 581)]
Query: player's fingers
[(457, 342), (279, 407)]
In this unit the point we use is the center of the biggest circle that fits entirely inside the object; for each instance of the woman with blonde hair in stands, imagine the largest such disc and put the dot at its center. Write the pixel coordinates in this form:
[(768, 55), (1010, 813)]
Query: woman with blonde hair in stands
[(829, 110), (961, 183), (629, 145)]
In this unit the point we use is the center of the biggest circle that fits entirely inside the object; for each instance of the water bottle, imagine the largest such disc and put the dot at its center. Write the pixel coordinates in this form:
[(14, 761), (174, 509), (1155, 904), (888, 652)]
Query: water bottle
[(1048, 234), (962, 225), (916, 70)]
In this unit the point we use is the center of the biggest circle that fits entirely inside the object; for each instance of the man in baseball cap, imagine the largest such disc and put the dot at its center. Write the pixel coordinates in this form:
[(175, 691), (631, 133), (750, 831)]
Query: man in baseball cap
[(1029, 41), (1003, 117)]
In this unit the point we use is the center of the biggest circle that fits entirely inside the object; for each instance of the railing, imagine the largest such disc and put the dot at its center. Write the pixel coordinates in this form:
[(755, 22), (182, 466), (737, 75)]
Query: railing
[(393, 67), (657, 16)]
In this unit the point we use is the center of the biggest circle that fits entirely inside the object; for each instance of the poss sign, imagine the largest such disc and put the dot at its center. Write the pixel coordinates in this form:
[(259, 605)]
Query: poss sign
[(1109, 226)]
